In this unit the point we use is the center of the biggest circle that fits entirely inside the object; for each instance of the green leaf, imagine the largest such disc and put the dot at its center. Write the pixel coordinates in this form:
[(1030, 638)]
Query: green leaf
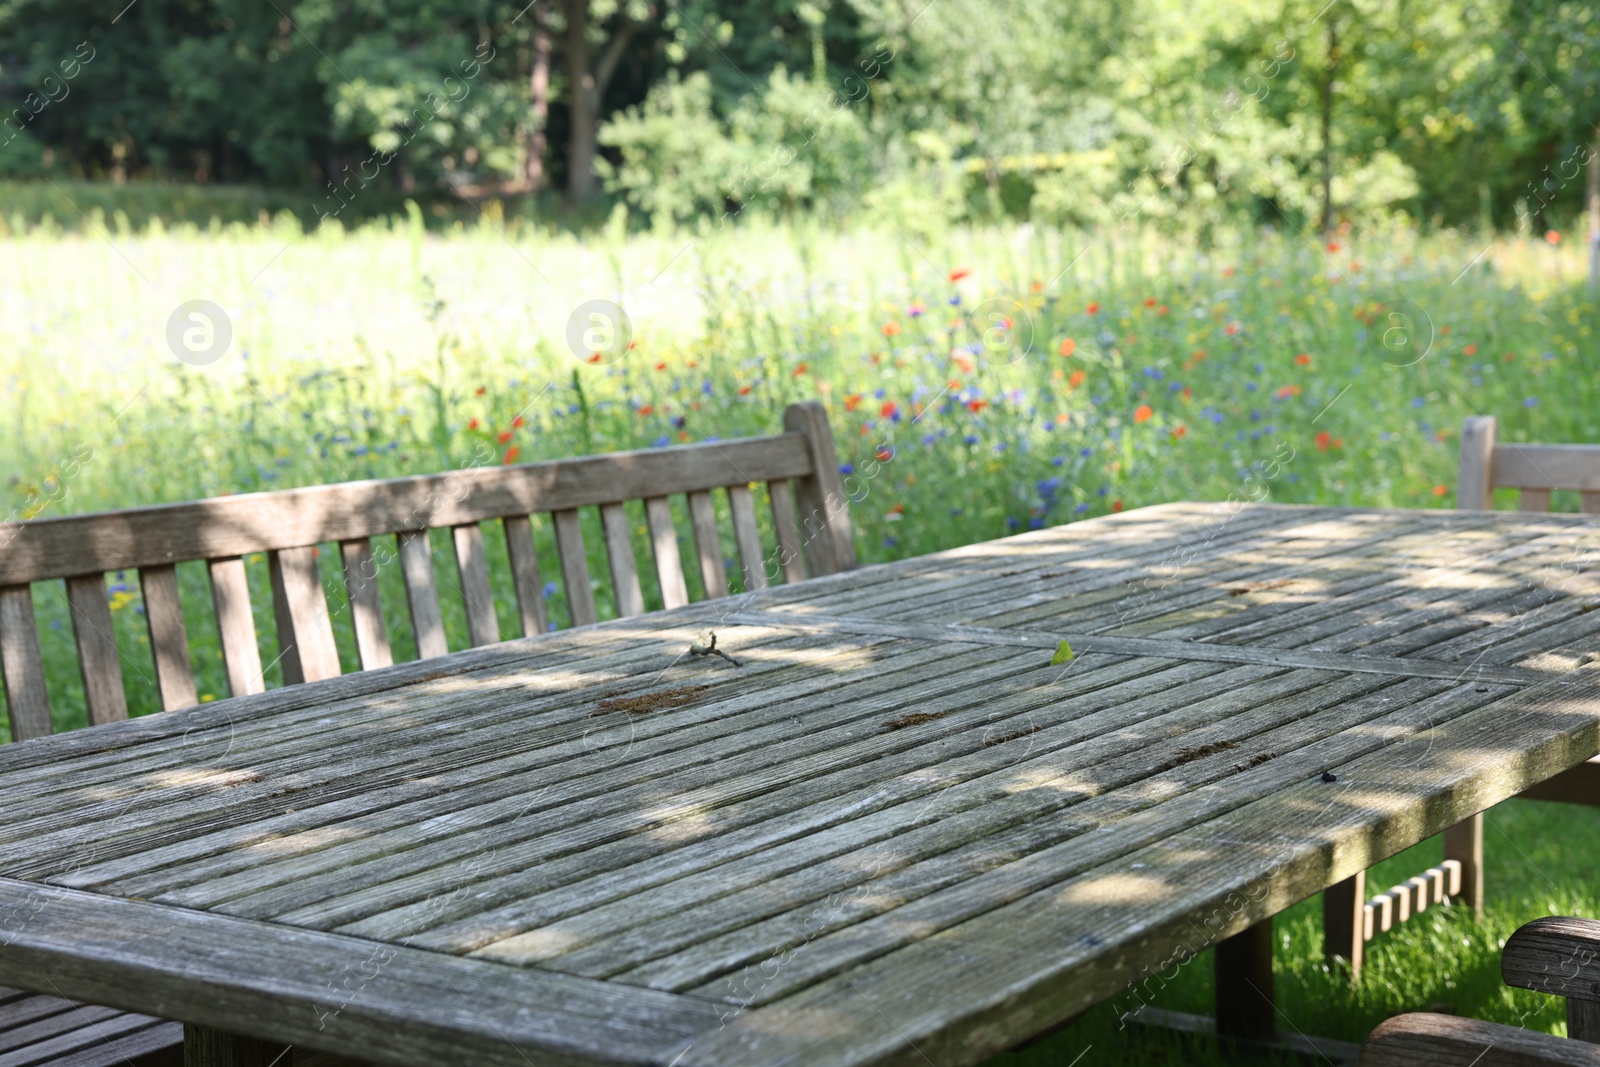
[(1063, 654)]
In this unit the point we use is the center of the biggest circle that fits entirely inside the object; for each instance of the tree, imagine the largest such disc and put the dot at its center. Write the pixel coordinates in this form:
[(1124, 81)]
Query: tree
[(589, 71)]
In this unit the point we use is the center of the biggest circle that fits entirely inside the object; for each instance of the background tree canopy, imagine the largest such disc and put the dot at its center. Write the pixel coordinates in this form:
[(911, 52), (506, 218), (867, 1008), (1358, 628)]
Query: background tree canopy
[(1063, 111)]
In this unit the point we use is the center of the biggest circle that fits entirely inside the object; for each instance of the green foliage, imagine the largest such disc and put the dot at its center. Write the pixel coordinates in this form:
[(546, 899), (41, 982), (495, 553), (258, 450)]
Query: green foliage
[(1187, 115)]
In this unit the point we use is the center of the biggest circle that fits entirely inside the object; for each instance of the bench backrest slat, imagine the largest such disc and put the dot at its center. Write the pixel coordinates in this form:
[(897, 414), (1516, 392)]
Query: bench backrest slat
[(366, 610), (169, 643), (664, 546), (422, 593), (472, 567), (291, 528), (703, 518), (525, 576), (306, 650), (574, 566), (97, 648), (236, 626), (26, 697), (790, 561), (746, 536)]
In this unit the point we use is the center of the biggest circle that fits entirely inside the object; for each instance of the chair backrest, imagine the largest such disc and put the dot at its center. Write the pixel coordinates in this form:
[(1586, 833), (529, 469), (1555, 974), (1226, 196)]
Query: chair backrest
[(289, 525), (1535, 470)]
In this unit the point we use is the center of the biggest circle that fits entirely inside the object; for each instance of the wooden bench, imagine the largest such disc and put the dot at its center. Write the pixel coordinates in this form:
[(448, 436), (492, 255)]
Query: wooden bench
[(1350, 918), (356, 520), (1560, 956)]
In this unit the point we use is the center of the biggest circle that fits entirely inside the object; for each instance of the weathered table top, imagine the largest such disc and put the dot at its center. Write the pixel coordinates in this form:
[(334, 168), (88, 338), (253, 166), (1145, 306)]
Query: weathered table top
[(895, 833)]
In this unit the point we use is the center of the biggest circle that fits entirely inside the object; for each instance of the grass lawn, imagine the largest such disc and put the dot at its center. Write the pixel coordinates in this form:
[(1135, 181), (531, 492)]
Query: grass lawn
[(1005, 379)]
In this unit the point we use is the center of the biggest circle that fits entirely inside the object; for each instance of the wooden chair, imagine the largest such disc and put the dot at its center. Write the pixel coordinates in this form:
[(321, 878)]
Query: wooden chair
[(288, 526), (1350, 918), (1557, 955)]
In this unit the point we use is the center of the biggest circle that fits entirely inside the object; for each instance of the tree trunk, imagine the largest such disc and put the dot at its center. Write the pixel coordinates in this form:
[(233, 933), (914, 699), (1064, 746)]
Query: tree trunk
[(538, 101), (586, 86), (1327, 125), (580, 88)]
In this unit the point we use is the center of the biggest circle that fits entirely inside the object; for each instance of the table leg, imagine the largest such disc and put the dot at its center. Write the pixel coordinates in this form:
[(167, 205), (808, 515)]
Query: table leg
[(1245, 1006), (1464, 842), (1344, 935), (204, 1047)]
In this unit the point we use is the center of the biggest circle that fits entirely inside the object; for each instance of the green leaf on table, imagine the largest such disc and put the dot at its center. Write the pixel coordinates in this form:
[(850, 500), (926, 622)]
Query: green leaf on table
[(1063, 654)]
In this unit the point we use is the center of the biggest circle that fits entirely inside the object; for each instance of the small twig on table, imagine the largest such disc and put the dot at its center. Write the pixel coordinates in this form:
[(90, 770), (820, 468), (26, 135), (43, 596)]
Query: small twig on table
[(710, 648)]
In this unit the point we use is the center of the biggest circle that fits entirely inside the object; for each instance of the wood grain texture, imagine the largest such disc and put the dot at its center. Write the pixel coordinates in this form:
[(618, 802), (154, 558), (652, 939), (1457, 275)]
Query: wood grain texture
[(236, 626), (1344, 924), (970, 840), (1463, 843), (422, 594), (98, 660), (708, 546), (664, 546), (366, 609), (27, 700), (306, 652), (258, 522), (1547, 467), (169, 642), (619, 552), (1475, 479), (574, 567), (820, 493), (1556, 955), (525, 577), (747, 536), (385, 1004), (1423, 1039), (477, 595), (791, 554), (205, 1047)]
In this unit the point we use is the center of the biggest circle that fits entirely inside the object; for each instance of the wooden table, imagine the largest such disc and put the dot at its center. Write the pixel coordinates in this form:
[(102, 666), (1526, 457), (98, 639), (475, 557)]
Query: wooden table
[(893, 833)]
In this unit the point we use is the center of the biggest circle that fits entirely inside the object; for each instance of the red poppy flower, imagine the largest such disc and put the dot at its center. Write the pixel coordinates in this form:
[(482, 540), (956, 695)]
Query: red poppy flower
[(481, 390), (1287, 391), (647, 409), (1232, 329), (1553, 236), (1075, 379), (662, 365), (1324, 441), (885, 454), (1163, 309), (1093, 308), (1333, 246), (1116, 505), (1303, 359), (801, 369), (473, 424), (505, 435), (1179, 431), (888, 409), (891, 328), (1149, 301), (1470, 350), (516, 423), (976, 406), (959, 273), (1068, 347), (1142, 413), (1036, 287), (744, 390), (511, 454), (1440, 490), (852, 401)]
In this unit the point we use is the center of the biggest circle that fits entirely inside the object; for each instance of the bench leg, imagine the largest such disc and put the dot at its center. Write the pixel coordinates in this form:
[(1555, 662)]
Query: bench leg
[(1344, 935), (1245, 1007), (1464, 842), (204, 1047)]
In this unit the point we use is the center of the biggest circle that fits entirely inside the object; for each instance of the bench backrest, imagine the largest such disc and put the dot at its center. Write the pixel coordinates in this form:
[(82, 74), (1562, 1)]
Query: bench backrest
[(288, 525), (1535, 470)]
